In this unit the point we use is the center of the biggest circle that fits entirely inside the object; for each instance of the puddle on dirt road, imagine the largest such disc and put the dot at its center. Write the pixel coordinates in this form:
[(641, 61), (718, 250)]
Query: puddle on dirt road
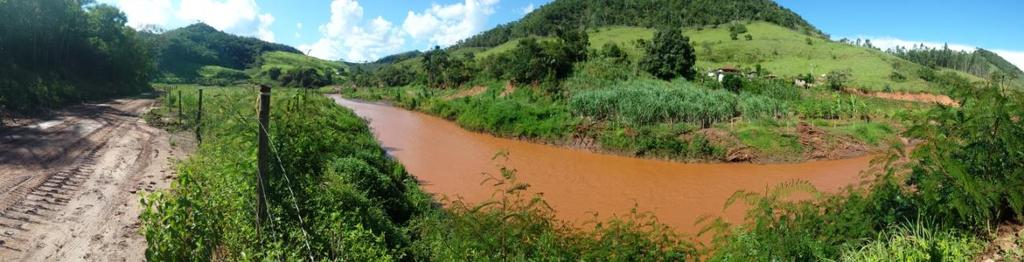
[(449, 160)]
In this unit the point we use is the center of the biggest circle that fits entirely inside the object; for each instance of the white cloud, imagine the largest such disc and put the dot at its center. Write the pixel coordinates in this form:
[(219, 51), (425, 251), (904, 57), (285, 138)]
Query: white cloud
[(344, 37), (447, 24), (144, 12), (1014, 57), (298, 25), (263, 32), (529, 9), (241, 17), (887, 42)]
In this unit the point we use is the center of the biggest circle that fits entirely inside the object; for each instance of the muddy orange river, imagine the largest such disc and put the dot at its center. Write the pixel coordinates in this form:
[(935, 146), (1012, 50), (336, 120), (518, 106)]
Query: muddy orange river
[(577, 184)]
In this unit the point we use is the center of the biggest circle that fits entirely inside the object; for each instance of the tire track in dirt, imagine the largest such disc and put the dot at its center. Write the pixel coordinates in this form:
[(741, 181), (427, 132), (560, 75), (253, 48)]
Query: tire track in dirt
[(70, 191)]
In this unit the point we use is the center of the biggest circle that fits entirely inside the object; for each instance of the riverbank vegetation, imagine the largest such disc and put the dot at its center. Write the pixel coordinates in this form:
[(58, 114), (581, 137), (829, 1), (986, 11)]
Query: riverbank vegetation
[(334, 193)]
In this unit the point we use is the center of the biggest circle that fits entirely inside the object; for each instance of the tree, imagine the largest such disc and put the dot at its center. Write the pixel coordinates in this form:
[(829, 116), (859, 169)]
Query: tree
[(733, 83), (737, 29), (613, 52), (55, 52), (669, 55), (836, 79), (434, 63)]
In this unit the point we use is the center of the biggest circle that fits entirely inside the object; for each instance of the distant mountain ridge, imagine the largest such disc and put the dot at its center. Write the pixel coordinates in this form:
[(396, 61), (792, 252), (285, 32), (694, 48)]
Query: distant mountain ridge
[(180, 53)]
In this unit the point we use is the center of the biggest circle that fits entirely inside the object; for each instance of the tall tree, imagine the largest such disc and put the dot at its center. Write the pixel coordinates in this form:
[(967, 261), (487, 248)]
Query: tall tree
[(669, 55)]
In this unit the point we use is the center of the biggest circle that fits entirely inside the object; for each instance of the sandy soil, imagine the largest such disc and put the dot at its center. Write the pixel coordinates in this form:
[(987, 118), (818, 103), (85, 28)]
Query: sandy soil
[(912, 97), (70, 186)]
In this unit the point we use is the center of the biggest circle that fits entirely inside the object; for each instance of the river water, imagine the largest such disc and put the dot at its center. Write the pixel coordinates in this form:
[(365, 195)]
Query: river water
[(579, 184)]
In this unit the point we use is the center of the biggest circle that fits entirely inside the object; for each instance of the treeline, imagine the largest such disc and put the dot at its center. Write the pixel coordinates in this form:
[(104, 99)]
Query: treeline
[(548, 19), (55, 52), (540, 62), (980, 62), (180, 53)]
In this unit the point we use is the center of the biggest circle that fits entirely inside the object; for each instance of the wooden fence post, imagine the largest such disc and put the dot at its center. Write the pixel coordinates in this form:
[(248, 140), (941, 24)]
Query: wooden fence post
[(181, 116), (199, 119), (263, 155)]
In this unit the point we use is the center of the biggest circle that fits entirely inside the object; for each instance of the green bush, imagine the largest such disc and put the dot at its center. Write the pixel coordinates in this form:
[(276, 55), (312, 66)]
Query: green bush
[(733, 83), (661, 140), (516, 117)]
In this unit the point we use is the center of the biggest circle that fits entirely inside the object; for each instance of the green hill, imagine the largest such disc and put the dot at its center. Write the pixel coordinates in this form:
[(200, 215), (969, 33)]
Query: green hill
[(782, 51), (182, 52), (288, 61), (789, 53), (979, 62), (288, 69), (546, 20)]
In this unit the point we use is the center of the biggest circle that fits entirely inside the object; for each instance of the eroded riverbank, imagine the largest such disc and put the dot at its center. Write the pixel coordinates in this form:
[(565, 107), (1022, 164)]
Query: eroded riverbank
[(577, 184)]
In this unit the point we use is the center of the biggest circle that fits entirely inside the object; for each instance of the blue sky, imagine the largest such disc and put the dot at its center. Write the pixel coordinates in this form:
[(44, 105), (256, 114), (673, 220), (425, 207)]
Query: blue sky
[(991, 24), (352, 30), (364, 30)]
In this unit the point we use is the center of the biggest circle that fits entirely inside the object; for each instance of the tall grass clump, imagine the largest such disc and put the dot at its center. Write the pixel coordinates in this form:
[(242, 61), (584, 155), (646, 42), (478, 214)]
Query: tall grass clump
[(835, 107), (917, 242), (644, 102), (761, 107), (776, 89)]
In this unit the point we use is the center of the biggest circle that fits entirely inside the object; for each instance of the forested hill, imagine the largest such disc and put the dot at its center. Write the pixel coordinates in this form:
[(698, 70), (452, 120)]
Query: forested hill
[(651, 14), (180, 53), (980, 62), (56, 52)]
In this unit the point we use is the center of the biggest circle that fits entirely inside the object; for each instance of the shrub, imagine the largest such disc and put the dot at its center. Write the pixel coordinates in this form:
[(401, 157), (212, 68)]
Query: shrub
[(836, 79), (968, 172), (733, 83), (517, 115)]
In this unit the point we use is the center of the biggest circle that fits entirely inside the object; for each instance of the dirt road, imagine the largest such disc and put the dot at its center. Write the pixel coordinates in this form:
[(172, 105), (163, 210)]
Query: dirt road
[(70, 187)]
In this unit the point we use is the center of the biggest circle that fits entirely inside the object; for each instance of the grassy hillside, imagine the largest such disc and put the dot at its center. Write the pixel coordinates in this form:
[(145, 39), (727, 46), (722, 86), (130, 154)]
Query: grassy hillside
[(779, 50), (546, 20), (288, 61), (789, 53), (181, 53)]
